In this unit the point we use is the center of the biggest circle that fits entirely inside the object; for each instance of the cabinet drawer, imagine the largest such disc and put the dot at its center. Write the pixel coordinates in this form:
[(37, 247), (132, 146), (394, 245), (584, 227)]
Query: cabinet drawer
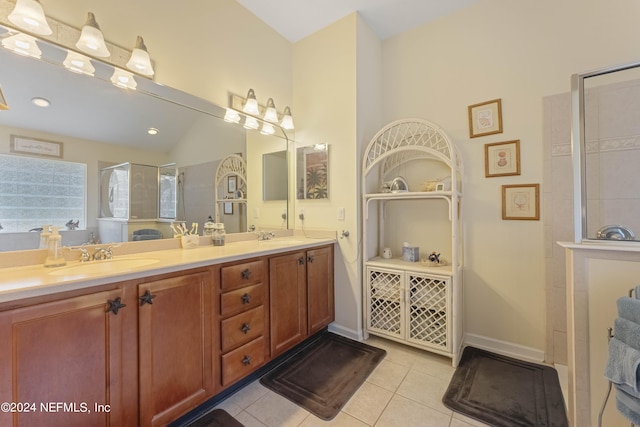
[(241, 328), (241, 299), (242, 361), (248, 273)]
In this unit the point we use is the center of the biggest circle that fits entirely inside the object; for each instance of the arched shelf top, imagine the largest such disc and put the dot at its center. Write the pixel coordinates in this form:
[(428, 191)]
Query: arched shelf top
[(410, 139), (232, 165)]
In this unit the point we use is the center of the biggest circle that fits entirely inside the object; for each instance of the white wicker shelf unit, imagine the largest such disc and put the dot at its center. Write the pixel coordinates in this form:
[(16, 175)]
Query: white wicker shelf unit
[(416, 303)]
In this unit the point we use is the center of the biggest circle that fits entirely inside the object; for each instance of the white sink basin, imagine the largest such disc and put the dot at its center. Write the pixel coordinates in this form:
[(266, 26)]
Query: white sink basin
[(102, 267)]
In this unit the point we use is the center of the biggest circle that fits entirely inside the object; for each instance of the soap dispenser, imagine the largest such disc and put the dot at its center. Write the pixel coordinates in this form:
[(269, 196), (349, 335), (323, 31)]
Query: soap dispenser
[(44, 236), (55, 257)]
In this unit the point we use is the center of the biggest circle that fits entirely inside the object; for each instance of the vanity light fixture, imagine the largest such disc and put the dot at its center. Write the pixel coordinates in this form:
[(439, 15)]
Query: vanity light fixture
[(40, 102), (23, 44), (29, 15), (287, 119), (123, 79), (78, 63), (271, 115), (251, 104), (3, 104), (267, 129), (140, 62), (91, 39), (231, 116), (251, 123)]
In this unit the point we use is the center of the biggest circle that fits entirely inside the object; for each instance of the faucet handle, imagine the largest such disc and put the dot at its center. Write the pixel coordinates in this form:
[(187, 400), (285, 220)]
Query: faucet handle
[(84, 256)]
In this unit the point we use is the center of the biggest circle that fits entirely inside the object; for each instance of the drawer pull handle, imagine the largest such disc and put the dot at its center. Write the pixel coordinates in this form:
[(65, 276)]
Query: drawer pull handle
[(246, 298), (146, 298), (301, 260), (115, 305), (245, 328), (310, 258), (246, 273), (246, 361)]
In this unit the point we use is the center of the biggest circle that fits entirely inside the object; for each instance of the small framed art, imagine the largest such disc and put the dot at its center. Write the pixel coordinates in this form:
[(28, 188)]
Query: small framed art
[(232, 184), (485, 118), (502, 158), (228, 208), (521, 201)]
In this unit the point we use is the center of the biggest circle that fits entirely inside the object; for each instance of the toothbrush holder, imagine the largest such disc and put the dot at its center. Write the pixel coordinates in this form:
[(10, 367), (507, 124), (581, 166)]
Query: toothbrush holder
[(190, 241)]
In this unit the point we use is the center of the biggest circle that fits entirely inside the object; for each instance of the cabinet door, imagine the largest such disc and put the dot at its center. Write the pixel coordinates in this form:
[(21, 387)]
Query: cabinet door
[(175, 333), (63, 362), (385, 301), (320, 288), (429, 310), (288, 298)]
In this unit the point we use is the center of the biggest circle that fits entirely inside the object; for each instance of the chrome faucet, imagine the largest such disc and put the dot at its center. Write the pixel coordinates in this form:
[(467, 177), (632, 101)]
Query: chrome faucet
[(102, 254), (265, 235)]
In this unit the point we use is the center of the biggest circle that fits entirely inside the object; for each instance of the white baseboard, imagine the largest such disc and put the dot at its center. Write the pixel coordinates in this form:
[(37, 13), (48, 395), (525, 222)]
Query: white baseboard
[(346, 332), (504, 347)]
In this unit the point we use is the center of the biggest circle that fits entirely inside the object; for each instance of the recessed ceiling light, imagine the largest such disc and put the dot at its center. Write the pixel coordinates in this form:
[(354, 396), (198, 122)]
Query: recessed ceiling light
[(40, 102), (153, 131)]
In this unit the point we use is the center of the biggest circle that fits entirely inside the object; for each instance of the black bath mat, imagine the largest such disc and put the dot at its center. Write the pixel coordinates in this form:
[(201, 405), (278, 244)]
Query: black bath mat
[(216, 418), (506, 392), (323, 376)]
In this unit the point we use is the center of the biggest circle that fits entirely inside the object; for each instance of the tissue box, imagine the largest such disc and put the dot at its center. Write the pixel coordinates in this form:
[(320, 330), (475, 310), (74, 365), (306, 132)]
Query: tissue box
[(411, 253), (190, 241)]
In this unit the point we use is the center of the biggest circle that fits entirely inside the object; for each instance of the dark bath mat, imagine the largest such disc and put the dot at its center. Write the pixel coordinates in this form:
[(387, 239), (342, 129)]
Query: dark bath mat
[(323, 376), (216, 418), (506, 392)]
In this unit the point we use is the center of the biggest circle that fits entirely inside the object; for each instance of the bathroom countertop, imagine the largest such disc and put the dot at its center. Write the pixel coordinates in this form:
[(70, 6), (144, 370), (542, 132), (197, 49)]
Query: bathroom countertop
[(18, 283)]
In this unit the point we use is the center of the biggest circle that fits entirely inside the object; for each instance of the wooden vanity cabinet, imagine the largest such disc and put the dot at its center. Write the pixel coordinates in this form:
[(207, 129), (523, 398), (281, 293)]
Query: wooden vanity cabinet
[(62, 358), (244, 318), (301, 296), (175, 329)]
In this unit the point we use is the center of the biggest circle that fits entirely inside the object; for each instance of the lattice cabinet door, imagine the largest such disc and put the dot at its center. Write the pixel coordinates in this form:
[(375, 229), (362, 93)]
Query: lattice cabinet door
[(385, 311), (429, 310)]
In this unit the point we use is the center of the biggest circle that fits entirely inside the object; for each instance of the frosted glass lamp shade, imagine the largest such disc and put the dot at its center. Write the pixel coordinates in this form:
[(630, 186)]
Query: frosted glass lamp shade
[(287, 119), (271, 115), (251, 104), (267, 129), (78, 63), (251, 123), (140, 61), (231, 116), (29, 15), (23, 44), (91, 39), (123, 79)]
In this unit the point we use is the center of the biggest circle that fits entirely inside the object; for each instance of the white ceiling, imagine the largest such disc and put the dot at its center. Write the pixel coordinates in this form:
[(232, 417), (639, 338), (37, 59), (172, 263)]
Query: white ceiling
[(296, 19)]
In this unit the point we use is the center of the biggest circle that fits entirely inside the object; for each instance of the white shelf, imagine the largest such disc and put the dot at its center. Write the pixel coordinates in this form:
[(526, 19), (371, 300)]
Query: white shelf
[(232, 200), (409, 195), (400, 264)]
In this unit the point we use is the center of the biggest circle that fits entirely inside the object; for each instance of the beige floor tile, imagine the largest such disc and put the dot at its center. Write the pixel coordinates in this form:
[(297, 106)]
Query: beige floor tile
[(230, 407), (408, 413), (248, 395), (248, 420), (368, 403), (434, 364), (341, 420), (396, 352), (425, 389), (388, 375), (466, 421), (276, 411)]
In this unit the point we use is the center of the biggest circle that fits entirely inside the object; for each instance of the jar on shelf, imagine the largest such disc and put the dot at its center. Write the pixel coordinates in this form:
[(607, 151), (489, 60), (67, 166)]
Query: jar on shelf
[(218, 235)]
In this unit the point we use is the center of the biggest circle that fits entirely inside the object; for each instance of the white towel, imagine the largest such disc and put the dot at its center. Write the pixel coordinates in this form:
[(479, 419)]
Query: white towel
[(622, 366)]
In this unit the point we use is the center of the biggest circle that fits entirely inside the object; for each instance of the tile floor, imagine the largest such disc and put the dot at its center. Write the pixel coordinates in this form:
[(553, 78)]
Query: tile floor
[(405, 390)]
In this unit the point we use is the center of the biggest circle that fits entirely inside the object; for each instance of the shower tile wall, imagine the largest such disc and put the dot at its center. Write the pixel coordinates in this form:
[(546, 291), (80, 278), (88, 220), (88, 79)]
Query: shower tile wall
[(613, 194)]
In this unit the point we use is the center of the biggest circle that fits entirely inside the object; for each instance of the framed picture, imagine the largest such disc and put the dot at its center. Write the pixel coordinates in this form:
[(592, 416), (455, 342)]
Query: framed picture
[(502, 158), (34, 146), (485, 118), (521, 201), (228, 208), (232, 184)]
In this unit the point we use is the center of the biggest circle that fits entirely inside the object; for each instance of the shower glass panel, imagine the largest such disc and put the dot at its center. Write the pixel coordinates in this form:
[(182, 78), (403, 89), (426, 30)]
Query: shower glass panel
[(606, 146)]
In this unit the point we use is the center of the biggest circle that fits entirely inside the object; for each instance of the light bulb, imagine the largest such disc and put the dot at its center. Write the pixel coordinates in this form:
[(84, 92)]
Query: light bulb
[(251, 104), (29, 15), (91, 39), (271, 115)]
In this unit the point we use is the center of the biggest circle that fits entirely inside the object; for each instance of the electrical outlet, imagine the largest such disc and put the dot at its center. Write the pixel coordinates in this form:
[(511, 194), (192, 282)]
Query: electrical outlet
[(340, 214), (256, 213)]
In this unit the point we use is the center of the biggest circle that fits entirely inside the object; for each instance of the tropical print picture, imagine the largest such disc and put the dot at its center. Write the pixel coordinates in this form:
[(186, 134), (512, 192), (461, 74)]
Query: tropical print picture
[(313, 162)]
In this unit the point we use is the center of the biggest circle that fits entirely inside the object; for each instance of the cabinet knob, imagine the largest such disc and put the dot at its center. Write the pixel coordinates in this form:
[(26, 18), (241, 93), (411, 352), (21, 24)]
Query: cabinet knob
[(146, 298), (310, 258), (115, 305), (246, 298), (246, 360), (301, 260), (245, 328), (246, 273)]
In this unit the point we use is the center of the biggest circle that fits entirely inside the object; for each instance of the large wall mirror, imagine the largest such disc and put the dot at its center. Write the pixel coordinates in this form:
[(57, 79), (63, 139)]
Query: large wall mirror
[(606, 147), (100, 125)]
